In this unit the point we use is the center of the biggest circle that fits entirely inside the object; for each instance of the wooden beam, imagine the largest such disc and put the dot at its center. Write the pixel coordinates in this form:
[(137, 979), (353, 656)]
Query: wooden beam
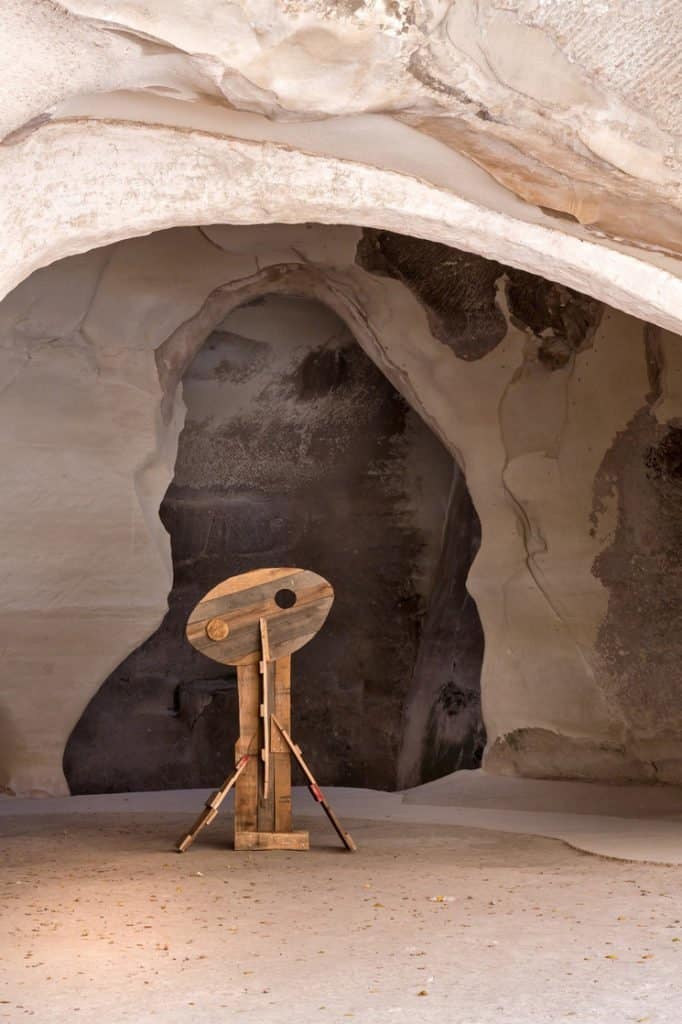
[(211, 806), (315, 790)]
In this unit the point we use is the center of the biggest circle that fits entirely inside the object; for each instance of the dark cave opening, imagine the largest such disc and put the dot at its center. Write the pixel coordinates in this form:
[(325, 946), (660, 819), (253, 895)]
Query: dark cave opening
[(297, 450)]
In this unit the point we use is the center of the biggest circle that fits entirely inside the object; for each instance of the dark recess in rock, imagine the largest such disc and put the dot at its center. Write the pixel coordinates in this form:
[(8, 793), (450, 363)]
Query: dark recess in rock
[(457, 289), (654, 361), (445, 693), (562, 319), (640, 639), (322, 372), (664, 460), (315, 468)]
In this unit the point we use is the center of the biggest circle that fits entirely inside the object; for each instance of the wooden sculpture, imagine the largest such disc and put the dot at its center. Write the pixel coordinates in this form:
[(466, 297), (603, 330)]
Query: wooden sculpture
[(256, 621)]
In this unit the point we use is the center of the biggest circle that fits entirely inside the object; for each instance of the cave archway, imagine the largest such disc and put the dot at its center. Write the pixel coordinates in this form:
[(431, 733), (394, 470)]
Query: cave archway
[(297, 449), (95, 347), (115, 175)]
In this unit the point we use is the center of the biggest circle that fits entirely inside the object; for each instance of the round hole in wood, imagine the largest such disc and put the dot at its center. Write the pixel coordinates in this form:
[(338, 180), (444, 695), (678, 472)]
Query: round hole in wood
[(285, 598), (216, 629)]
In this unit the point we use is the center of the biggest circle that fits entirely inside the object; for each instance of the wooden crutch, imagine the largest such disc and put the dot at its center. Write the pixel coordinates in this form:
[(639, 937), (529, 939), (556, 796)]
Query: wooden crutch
[(212, 805)]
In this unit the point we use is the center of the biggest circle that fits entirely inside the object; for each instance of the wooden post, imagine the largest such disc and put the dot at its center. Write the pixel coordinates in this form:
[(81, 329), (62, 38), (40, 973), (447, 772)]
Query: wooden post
[(246, 790), (281, 759), (269, 828)]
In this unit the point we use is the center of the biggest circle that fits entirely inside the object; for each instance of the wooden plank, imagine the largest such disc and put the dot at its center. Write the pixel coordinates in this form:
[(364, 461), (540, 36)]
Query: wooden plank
[(282, 708), (281, 757), (212, 805), (249, 606), (295, 750), (281, 789), (345, 837), (241, 609), (271, 841), (246, 792), (266, 799), (290, 628), (267, 669), (315, 790), (239, 593), (251, 580)]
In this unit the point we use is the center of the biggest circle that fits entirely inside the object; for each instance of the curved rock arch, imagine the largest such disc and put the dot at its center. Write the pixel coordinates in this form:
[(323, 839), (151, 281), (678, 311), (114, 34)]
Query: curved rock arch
[(112, 130), (102, 182), (518, 585), (338, 293)]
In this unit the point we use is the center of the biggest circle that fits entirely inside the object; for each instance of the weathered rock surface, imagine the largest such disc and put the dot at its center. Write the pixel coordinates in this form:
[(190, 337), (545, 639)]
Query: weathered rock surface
[(296, 450), (571, 463), (543, 135)]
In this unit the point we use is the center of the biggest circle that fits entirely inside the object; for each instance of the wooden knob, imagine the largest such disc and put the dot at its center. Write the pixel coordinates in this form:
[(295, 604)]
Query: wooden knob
[(217, 629)]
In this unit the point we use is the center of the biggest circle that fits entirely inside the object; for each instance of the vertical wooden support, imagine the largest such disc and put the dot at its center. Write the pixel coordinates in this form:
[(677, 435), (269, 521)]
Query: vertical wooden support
[(281, 759), (264, 821), (266, 798), (211, 807), (246, 790), (267, 671)]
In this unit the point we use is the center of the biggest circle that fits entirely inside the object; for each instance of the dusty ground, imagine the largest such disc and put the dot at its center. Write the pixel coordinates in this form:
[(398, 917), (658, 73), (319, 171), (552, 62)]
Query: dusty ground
[(101, 922)]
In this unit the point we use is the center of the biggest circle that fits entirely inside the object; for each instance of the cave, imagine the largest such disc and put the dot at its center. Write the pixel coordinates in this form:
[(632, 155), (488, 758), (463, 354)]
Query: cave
[(427, 428), (297, 450), (390, 292)]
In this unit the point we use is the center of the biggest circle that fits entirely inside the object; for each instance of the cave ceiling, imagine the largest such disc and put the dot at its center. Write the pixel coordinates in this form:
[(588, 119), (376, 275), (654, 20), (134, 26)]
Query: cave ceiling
[(510, 128)]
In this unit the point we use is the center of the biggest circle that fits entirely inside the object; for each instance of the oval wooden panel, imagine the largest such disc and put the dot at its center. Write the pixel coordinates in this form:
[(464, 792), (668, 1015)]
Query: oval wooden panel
[(241, 601)]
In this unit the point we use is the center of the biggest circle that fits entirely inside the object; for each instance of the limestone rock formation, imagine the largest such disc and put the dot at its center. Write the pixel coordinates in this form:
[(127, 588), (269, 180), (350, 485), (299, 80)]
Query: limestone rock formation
[(528, 154), (570, 461), (511, 128), (296, 450)]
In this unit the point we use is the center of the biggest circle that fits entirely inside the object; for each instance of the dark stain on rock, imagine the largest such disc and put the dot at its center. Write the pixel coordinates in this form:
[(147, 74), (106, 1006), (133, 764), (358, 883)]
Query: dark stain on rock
[(457, 289), (247, 357), (563, 320), (560, 214), (322, 372), (640, 639), (420, 66), (444, 728), (455, 734), (23, 131), (654, 361), (315, 469), (664, 462)]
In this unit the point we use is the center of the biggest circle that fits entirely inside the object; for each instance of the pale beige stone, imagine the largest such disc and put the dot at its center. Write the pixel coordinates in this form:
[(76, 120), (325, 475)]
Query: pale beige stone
[(483, 113), (90, 426), (543, 135)]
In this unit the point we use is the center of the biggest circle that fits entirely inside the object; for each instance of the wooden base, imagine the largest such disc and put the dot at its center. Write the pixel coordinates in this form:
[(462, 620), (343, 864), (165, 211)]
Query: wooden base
[(271, 841)]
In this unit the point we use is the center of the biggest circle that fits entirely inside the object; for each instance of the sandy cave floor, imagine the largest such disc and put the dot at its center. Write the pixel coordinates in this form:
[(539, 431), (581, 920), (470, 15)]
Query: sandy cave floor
[(101, 921)]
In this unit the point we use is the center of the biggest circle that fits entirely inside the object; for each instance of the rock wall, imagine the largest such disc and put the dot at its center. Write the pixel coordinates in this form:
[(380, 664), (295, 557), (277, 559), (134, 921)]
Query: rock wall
[(296, 450), (565, 427), (510, 128)]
